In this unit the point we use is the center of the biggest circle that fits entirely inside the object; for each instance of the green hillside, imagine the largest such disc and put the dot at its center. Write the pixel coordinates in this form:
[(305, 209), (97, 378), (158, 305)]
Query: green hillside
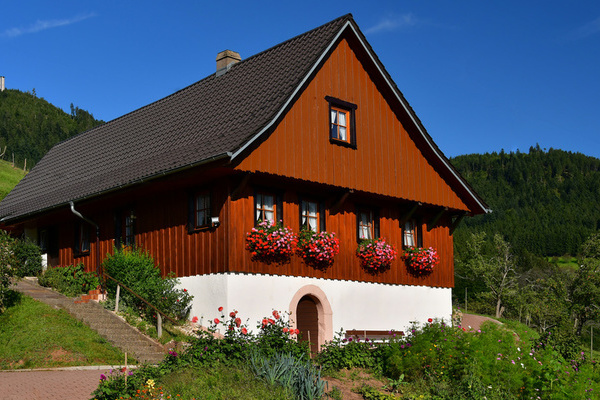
[(9, 177), (30, 126), (544, 202)]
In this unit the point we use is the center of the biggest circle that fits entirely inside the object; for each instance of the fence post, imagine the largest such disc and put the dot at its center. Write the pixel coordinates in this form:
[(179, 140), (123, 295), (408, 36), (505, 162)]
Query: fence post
[(158, 324), (117, 298)]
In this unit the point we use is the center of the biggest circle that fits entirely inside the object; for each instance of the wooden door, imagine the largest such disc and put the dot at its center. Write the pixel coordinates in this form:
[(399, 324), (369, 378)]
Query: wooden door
[(308, 322)]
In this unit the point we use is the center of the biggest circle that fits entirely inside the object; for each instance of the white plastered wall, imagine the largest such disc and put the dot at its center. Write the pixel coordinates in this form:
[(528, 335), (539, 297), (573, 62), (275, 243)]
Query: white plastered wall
[(354, 305)]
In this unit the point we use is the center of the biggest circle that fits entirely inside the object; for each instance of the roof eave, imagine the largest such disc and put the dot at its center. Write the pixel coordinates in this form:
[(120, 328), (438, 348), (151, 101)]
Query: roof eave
[(8, 220)]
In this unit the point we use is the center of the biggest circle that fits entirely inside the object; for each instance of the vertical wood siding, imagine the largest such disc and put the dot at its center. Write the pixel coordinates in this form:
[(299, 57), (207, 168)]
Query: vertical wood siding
[(386, 161), (161, 229), (343, 223)]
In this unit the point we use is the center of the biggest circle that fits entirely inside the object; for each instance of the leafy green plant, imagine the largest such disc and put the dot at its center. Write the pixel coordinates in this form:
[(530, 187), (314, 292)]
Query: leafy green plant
[(348, 353), (370, 393), (28, 258), (7, 261), (136, 269), (394, 385), (70, 280)]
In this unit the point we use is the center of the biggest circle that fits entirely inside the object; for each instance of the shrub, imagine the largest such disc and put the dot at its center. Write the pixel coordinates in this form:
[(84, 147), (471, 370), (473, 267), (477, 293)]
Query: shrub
[(349, 353), (7, 261), (238, 343), (70, 280), (136, 270), (28, 258)]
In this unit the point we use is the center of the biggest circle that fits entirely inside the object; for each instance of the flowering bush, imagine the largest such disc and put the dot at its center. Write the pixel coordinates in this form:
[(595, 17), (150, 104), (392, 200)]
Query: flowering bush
[(420, 261), (376, 255), (318, 249), (271, 243)]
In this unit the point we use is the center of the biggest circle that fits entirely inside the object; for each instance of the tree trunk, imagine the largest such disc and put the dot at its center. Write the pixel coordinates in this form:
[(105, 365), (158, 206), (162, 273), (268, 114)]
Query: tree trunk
[(499, 308)]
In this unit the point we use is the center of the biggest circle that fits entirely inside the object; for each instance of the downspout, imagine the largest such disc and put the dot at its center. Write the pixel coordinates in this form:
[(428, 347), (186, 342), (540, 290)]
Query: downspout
[(89, 221)]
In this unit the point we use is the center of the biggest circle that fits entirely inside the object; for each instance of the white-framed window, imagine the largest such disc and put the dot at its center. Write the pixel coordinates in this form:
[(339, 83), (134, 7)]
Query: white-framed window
[(266, 207), (366, 224), (310, 217), (409, 236)]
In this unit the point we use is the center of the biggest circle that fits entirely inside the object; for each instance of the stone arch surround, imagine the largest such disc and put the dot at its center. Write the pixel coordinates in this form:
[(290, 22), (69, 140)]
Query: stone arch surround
[(324, 310)]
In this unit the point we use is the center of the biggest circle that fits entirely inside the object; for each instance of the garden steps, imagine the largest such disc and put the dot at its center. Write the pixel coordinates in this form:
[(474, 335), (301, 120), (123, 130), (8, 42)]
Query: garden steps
[(108, 325)]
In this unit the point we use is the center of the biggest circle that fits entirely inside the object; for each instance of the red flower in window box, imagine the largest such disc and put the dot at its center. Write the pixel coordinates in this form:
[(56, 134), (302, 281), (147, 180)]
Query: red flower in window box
[(420, 261), (318, 249), (376, 255), (271, 243)]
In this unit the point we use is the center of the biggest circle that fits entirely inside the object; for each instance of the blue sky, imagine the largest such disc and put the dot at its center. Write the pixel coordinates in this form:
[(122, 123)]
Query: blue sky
[(482, 76)]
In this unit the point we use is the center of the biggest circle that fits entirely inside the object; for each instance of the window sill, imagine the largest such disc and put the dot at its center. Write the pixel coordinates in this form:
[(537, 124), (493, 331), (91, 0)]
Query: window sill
[(342, 143), (202, 228), (81, 254)]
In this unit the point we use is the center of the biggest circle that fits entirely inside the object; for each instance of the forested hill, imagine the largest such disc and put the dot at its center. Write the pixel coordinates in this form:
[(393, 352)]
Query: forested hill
[(30, 126), (543, 202)]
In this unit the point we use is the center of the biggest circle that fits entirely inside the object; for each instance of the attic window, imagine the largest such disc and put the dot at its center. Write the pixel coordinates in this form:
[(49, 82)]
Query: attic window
[(342, 126)]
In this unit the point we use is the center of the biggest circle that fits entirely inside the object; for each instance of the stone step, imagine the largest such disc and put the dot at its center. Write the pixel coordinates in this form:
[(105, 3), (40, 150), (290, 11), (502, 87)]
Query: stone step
[(112, 328)]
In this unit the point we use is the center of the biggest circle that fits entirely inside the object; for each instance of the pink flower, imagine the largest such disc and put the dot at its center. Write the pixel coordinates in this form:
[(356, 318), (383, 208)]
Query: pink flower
[(195, 319), (217, 320), (244, 331), (220, 309)]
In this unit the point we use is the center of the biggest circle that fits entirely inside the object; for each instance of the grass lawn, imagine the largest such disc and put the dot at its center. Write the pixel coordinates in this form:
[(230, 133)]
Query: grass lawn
[(564, 262), (35, 335), (9, 177), (220, 382)]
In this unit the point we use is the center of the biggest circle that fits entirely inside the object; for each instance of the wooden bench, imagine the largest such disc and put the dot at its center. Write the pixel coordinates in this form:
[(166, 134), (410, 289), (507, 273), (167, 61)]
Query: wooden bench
[(373, 336)]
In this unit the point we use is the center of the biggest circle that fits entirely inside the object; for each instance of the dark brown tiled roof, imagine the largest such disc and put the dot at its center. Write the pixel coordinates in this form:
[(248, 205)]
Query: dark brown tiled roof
[(211, 118)]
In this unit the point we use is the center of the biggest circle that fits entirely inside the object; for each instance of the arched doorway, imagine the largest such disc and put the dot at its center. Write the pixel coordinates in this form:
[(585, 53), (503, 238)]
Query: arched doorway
[(310, 307), (307, 321)]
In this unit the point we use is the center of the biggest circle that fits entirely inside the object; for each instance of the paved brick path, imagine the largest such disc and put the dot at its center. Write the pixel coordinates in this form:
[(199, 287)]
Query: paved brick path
[(66, 384)]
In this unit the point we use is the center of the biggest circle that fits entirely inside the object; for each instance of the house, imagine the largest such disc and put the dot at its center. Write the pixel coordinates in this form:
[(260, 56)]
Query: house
[(311, 130)]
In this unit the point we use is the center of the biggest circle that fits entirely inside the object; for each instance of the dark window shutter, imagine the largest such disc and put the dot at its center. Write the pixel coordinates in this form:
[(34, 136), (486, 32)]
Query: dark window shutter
[(353, 128), (118, 229), (322, 226), (419, 233), (279, 208), (376, 224), (191, 223), (358, 239), (300, 205)]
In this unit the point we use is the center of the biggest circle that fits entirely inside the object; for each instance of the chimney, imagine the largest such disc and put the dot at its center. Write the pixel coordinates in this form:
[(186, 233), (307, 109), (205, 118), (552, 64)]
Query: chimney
[(225, 60), (2, 84)]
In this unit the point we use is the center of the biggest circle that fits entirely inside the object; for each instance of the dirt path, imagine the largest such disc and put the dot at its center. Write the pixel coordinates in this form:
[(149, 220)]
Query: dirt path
[(473, 322)]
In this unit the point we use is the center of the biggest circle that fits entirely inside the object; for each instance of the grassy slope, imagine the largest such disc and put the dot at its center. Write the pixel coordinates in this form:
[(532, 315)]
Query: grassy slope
[(9, 177), (34, 335)]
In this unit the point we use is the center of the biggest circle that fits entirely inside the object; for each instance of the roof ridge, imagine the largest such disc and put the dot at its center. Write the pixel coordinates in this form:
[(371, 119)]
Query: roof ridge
[(347, 16)]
